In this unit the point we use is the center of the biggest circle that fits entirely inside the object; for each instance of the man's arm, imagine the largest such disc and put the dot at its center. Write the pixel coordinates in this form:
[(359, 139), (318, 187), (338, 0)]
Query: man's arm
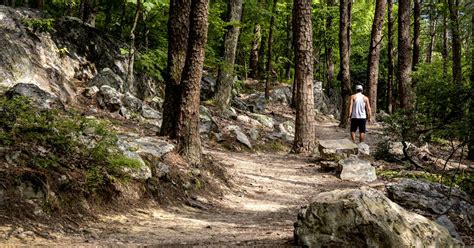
[(350, 106), (369, 110)]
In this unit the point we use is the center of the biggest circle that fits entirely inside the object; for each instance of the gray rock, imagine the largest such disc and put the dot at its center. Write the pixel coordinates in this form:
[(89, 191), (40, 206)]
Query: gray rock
[(125, 113), (162, 170), (336, 149), (248, 120), (107, 77), (329, 165), (127, 149), (206, 121), (90, 91), (288, 127), (153, 147), (253, 133), (357, 170), (109, 98), (131, 102), (266, 121), (443, 220), (365, 218), (281, 95), (219, 137), (38, 97), (432, 198), (239, 104), (242, 138), (150, 113), (381, 116), (208, 88), (364, 148)]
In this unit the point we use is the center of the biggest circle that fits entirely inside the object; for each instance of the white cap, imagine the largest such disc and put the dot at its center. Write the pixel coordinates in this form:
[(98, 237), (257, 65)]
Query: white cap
[(359, 87)]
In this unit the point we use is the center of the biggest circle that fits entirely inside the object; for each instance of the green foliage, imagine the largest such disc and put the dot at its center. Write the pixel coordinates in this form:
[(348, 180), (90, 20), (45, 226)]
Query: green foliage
[(39, 25), (52, 140), (153, 63)]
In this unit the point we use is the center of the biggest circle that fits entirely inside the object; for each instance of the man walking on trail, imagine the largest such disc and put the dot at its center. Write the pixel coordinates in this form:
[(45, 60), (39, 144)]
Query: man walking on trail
[(359, 113)]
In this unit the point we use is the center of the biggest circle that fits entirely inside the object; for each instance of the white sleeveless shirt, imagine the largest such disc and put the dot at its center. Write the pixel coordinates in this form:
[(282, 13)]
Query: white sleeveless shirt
[(358, 107)]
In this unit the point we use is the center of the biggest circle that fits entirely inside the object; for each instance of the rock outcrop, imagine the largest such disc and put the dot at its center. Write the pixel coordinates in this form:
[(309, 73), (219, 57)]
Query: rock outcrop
[(38, 97), (365, 218)]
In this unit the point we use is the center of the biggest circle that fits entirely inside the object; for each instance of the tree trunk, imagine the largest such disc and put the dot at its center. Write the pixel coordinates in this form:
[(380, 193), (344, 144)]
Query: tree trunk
[(40, 4), (289, 47), (253, 63), (131, 53), (405, 89), (344, 53), (445, 52), (374, 54), (225, 77), (261, 56), (453, 6), (268, 74), (390, 58), (432, 32), (329, 50), (470, 152), (416, 34), (89, 11), (178, 32), (189, 141), (305, 135)]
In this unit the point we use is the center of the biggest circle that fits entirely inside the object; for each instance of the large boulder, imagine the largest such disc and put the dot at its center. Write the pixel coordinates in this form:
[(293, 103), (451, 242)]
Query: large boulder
[(109, 98), (336, 149), (281, 95), (433, 199), (206, 121), (365, 218), (132, 103), (141, 173), (208, 88), (357, 170), (108, 77), (38, 97), (266, 121)]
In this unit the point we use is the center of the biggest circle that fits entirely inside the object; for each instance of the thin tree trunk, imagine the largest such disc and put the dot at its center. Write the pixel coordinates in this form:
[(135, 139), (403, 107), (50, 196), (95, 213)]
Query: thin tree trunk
[(329, 50), (178, 33), (289, 47), (344, 53), (445, 52), (225, 77), (189, 141), (404, 56), (390, 58), (374, 54), (261, 57), (416, 34), (253, 63), (131, 53), (305, 135), (268, 74), (470, 153), (453, 6), (432, 32)]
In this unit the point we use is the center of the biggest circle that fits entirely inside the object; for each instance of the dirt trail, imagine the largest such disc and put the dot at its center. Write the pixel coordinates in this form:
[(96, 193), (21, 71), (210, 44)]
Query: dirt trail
[(259, 210)]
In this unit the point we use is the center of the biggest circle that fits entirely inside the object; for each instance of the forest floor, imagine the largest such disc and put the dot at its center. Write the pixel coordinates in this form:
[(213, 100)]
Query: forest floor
[(259, 208)]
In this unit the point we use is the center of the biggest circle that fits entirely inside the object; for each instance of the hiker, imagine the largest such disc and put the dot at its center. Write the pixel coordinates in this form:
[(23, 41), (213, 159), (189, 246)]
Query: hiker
[(359, 113)]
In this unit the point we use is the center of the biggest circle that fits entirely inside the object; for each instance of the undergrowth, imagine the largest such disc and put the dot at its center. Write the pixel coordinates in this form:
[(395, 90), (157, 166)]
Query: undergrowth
[(55, 143)]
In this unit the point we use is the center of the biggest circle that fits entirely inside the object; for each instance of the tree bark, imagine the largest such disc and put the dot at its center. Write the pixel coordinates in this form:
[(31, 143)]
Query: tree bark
[(329, 50), (432, 32), (445, 52), (189, 141), (253, 63), (453, 6), (470, 152), (405, 89), (374, 53), (178, 32), (131, 53), (305, 135), (268, 74), (416, 34), (344, 53), (89, 11), (289, 47), (261, 57), (390, 58), (225, 78)]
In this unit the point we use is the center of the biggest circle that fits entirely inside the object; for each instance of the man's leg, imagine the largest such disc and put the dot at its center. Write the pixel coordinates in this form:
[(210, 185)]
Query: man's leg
[(362, 130), (353, 129), (353, 136)]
